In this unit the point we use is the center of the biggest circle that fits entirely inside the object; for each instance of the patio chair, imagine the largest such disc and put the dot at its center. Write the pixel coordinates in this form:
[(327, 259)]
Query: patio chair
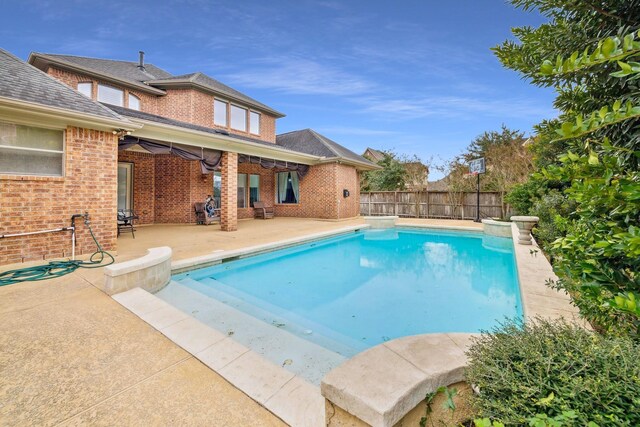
[(262, 211), (126, 218), (201, 214)]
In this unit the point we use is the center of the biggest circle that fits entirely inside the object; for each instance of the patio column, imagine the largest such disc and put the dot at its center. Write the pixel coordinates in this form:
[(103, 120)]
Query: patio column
[(229, 192)]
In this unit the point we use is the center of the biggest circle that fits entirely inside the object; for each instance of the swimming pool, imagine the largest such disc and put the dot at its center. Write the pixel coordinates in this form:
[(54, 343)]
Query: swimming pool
[(357, 290)]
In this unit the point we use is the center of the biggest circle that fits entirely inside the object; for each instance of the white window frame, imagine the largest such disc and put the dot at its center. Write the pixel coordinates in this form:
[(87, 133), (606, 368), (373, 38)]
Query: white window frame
[(226, 112), (90, 89), (113, 88), (129, 190), (251, 114), (41, 150), (246, 117), (246, 189), (129, 96)]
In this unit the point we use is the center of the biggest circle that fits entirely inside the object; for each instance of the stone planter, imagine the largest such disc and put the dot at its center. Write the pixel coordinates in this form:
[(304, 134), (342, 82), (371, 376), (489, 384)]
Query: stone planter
[(525, 224)]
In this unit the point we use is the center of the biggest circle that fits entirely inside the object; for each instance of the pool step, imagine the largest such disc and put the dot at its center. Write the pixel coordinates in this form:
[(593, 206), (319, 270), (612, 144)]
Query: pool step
[(299, 356), (277, 316)]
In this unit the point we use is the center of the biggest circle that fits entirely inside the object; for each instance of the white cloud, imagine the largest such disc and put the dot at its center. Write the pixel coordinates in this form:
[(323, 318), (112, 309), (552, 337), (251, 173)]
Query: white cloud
[(300, 77), (344, 130), (451, 107)]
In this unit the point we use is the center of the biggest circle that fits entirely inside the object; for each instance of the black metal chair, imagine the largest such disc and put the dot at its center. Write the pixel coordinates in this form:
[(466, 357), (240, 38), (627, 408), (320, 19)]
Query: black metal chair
[(126, 218)]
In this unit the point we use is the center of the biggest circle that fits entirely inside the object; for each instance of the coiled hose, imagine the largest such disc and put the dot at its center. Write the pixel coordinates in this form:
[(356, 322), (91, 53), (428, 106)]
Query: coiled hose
[(57, 268)]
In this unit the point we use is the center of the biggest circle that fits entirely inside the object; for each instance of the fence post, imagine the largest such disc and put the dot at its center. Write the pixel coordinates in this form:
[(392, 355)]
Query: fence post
[(427, 198), (369, 203), (395, 203)]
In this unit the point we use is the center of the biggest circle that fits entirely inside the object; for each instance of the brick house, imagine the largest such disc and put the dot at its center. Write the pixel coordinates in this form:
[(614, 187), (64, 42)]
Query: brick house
[(83, 134)]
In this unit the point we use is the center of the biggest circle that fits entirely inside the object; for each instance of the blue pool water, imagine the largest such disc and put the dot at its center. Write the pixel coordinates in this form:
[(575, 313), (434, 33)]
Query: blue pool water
[(354, 291)]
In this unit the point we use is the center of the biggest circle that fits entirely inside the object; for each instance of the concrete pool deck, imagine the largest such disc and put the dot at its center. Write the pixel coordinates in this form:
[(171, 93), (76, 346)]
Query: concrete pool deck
[(70, 354)]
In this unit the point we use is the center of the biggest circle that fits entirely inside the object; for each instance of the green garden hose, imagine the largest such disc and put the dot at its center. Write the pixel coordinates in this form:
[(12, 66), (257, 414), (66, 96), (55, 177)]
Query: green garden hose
[(57, 268)]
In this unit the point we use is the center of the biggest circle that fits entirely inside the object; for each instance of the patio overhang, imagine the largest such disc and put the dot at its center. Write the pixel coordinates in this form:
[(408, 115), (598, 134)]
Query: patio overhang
[(180, 135)]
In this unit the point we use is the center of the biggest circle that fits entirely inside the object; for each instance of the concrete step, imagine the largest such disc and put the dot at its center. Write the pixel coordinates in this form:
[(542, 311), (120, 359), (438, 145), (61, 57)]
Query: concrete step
[(265, 334)]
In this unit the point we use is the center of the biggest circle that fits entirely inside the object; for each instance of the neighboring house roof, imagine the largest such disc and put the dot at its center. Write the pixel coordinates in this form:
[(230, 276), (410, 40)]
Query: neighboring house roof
[(376, 155), (311, 142), (150, 79), (209, 84), (20, 81), (439, 185)]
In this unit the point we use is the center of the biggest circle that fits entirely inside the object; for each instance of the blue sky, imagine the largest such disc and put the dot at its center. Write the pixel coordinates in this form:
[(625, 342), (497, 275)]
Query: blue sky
[(416, 77)]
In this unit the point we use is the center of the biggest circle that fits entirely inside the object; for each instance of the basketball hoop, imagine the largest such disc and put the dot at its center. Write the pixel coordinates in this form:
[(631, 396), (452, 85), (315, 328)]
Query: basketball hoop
[(476, 167)]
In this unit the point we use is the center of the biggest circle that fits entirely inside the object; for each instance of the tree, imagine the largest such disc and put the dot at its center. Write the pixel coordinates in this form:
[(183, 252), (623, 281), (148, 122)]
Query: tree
[(508, 163), (508, 159), (590, 154), (391, 177)]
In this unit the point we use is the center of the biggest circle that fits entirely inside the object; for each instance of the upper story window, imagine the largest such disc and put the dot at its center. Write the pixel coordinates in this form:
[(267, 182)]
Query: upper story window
[(220, 112), (85, 88), (134, 102), (238, 118), (110, 95), (254, 123), (26, 150)]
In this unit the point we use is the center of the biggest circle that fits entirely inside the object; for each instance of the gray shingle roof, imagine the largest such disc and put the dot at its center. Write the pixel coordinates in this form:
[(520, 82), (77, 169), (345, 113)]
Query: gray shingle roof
[(21, 81), (127, 70), (206, 82), (311, 142), (151, 78)]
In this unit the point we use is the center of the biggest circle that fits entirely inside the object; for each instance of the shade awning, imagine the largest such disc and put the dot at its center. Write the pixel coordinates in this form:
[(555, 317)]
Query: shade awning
[(275, 164), (209, 159)]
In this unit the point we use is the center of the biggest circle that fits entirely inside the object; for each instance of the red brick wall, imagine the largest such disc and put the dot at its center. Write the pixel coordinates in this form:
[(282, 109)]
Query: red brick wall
[(187, 105), (172, 190), (39, 203), (347, 178), (321, 194), (143, 183), (148, 103)]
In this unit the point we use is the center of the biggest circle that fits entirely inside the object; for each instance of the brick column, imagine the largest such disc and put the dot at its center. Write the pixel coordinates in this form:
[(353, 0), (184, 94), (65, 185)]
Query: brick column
[(229, 192)]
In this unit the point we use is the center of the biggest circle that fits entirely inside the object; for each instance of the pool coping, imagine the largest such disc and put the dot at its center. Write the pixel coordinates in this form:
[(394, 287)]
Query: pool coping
[(298, 402), (218, 257)]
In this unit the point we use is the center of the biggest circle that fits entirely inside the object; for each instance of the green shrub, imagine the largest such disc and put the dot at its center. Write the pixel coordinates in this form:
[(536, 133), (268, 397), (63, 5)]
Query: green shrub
[(555, 368)]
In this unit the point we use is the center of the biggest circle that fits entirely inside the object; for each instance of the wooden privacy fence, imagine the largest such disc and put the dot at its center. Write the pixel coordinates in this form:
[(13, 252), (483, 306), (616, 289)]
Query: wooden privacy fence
[(431, 204)]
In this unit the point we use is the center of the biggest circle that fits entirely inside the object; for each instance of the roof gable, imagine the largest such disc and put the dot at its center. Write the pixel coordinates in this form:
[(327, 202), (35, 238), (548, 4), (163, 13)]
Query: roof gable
[(203, 81), (23, 82), (150, 79), (311, 142)]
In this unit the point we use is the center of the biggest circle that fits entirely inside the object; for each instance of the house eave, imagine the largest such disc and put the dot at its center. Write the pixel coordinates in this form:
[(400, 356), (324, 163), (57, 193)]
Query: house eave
[(44, 62), (163, 132), (30, 113), (189, 84), (361, 166)]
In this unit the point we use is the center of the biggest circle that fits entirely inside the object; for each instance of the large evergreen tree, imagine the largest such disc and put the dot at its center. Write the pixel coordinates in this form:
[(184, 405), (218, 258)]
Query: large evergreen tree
[(590, 154)]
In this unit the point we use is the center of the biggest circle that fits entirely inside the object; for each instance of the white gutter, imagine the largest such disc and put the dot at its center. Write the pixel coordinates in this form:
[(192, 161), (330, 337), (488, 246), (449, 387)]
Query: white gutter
[(33, 113)]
